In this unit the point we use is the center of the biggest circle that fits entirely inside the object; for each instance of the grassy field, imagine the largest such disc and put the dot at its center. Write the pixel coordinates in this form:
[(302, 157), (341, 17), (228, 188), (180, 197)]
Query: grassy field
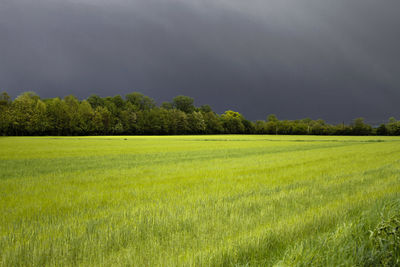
[(196, 201)]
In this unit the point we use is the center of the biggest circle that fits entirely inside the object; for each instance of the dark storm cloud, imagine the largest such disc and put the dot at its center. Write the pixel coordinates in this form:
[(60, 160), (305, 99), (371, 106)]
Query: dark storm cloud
[(335, 59)]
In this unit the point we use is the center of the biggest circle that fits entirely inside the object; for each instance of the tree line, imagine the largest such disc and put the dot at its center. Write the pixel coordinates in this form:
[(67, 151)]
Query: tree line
[(137, 114)]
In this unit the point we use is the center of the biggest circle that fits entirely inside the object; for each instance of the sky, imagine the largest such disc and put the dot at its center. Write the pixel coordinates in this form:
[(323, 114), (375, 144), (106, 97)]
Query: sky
[(332, 59)]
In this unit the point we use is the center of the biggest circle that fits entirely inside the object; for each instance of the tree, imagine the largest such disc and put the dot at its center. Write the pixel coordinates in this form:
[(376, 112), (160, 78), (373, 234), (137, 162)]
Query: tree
[(72, 110), (102, 120), (5, 118), (149, 122), (232, 122), (184, 103), (167, 105), (300, 128), (57, 116), (382, 130), (95, 101), (182, 126), (28, 114), (196, 123), (118, 101), (213, 123), (140, 101), (5, 100), (393, 126), (249, 127), (360, 128), (205, 109), (271, 127), (284, 127), (85, 118), (272, 118), (128, 118), (308, 122), (260, 127)]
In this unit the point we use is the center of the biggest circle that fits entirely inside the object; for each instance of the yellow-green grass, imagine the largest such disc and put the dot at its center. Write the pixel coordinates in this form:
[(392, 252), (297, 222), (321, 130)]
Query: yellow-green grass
[(193, 200)]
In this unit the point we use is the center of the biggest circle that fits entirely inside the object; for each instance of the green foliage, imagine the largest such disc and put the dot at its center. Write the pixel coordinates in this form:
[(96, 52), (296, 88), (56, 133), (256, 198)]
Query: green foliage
[(28, 114), (140, 101), (167, 105), (213, 123), (184, 103), (95, 101), (138, 114), (360, 128), (233, 122), (382, 130), (386, 241), (272, 118), (5, 116), (196, 123), (118, 101), (205, 109), (5, 99), (393, 127)]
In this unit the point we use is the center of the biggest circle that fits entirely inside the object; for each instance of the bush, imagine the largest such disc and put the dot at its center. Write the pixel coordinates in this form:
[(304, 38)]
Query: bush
[(386, 242)]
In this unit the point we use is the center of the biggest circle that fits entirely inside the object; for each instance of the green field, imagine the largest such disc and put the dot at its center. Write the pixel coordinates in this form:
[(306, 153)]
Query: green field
[(195, 200)]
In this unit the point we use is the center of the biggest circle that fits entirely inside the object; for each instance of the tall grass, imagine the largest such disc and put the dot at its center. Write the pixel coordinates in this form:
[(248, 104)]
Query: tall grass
[(197, 201)]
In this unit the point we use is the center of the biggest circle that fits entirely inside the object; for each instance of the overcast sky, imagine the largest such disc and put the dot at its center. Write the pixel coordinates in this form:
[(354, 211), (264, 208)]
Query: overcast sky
[(330, 59)]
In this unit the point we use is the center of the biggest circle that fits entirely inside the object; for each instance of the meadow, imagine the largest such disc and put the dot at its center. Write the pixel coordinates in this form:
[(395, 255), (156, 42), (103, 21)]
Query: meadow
[(228, 200)]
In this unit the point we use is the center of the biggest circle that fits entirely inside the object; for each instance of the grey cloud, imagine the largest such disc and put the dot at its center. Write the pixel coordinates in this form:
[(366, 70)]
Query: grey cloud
[(335, 59)]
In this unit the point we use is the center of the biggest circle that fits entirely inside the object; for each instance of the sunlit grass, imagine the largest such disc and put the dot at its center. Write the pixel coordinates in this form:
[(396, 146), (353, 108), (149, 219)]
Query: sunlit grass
[(193, 200)]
